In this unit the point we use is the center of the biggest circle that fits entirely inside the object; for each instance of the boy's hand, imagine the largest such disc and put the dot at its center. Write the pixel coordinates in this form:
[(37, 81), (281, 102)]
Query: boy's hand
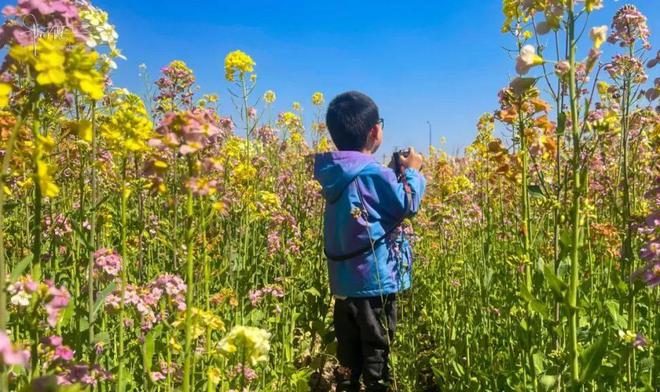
[(414, 160)]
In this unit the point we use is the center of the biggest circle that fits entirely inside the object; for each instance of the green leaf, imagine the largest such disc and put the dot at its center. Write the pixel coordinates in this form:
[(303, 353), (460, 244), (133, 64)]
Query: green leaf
[(620, 321), (556, 285), (20, 267), (592, 358), (488, 278), (535, 191), (150, 346), (100, 299), (536, 305), (102, 337), (537, 359), (458, 368), (313, 292)]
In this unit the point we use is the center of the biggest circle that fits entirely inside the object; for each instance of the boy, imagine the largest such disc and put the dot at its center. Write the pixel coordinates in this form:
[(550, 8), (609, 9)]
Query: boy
[(369, 259)]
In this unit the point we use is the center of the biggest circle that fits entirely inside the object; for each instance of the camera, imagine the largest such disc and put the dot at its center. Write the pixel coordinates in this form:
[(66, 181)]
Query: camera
[(395, 163)]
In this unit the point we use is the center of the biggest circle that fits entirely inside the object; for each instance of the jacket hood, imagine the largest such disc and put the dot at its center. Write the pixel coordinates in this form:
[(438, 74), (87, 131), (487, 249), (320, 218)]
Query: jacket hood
[(335, 170)]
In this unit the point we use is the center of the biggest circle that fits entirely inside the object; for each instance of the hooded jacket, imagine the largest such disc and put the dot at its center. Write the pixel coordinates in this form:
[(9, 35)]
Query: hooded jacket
[(386, 270)]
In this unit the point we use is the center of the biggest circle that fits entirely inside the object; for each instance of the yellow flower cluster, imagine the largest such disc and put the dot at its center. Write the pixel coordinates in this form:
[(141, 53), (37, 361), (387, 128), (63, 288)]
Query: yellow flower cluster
[(5, 90), (60, 62), (244, 172), (270, 97), (253, 343), (214, 375), (318, 99), (236, 148), (129, 128), (456, 184), (180, 66), (202, 321), (290, 121), (238, 62), (44, 172), (269, 203), (323, 145)]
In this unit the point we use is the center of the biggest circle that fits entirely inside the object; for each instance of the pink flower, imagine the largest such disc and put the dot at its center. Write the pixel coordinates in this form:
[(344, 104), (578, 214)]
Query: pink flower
[(59, 300), (11, 355), (157, 376), (628, 26), (107, 262), (63, 353)]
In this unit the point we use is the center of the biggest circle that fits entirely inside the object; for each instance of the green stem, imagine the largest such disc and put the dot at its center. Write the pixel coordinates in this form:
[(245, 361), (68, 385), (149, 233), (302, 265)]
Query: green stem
[(187, 368), (121, 382), (92, 241), (575, 234)]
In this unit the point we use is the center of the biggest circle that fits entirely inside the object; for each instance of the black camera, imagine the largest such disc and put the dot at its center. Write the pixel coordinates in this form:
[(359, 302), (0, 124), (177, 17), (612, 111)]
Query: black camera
[(395, 163)]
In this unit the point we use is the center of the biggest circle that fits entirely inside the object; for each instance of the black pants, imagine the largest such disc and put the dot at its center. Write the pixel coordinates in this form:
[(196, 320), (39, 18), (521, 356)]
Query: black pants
[(362, 326)]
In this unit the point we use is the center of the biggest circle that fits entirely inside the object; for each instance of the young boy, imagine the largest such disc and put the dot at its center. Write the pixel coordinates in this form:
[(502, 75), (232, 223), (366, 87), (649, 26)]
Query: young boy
[(369, 259)]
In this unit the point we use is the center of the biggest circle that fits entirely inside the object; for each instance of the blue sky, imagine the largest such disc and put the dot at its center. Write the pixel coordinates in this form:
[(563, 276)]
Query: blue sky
[(439, 61)]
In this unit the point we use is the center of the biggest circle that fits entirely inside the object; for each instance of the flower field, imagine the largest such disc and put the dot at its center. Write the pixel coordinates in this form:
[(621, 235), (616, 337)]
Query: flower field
[(170, 240)]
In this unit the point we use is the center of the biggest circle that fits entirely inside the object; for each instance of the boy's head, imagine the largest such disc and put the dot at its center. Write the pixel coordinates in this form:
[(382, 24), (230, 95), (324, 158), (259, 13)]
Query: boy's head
[(353, 121)]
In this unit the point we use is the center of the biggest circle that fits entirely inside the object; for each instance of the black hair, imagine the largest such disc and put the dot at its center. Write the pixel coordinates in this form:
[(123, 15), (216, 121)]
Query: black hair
[(349, 118)]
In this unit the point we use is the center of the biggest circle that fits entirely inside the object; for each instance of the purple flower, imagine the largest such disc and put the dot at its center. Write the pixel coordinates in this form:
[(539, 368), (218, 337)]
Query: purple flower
[(628, 26), (650, 274), (639, 342), (107, 263)]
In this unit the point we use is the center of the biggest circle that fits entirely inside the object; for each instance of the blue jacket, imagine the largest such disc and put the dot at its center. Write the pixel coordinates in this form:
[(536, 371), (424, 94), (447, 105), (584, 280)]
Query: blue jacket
[(340, 173)]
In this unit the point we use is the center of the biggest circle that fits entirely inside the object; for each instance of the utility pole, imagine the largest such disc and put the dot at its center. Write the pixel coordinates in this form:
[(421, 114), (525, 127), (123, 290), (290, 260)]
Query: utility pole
[(430, 136)]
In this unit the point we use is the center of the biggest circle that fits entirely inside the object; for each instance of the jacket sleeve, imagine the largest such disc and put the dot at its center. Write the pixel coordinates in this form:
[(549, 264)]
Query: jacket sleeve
[(386, 197), (417, 184)]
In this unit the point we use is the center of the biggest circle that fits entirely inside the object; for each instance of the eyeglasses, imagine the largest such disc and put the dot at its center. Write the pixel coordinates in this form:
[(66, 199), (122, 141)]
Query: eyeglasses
[(381, 121)]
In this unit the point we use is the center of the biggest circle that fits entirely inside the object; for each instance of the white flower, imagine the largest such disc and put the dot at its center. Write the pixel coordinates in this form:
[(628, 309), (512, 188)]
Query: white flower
[(21, 299), (527, 59), (598, 35)]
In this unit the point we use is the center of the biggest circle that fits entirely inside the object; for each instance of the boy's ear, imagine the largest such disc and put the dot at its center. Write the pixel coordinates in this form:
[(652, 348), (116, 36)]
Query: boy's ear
[(373, 132)]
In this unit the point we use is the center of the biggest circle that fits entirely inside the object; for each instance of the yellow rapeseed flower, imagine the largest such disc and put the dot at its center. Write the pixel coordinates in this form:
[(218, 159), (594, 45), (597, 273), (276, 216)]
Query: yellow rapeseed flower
[(323, 146), (59, 61), (269, 97), (5, 90), (44, 173), (83, 75), (318, 98), (290, 121), (602, 87), (45, 177), (85, 131), (214, 375), (237, 62), (129, 128), (253, 343), (244, 172), (598, 35), (47, 59)]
